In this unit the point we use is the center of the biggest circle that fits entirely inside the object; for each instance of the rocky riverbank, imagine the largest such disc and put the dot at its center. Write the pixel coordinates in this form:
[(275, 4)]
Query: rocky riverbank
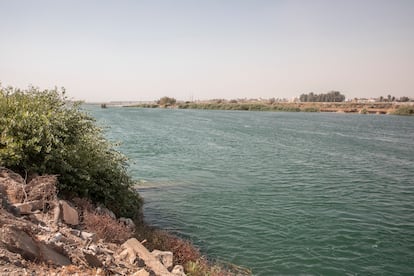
[(44, 235)]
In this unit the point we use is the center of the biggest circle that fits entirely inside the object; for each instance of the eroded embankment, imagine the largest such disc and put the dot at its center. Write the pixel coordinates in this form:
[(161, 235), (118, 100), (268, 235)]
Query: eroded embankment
[(44, 235)]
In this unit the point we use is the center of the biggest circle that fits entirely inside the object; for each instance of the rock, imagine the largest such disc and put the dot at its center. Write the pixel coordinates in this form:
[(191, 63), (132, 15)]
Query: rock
[(56, 215), (75, 232), (70, 215), (11, 185), (15, 211), (37, 205), (108, 260), (141, 272), (28, 207), (24, 208), (51, 256), (165, 257), (178, 270), (57, 237), (105, 211), (88, 236), (94, 248), (133, 246), (128, 254), (92, 260), (128, 223), (18, 241)]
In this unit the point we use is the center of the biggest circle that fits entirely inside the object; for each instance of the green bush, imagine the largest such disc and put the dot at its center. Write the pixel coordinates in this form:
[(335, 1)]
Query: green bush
[(285, 108), (166, 101), (41, 132), (404, 110), (311, 109)]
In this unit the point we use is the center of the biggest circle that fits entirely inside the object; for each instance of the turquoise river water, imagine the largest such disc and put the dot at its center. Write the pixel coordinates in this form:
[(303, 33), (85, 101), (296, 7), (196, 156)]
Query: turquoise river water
[(280, 193)]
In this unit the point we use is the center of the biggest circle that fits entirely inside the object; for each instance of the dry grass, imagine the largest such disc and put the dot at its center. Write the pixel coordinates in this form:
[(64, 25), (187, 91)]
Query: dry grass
[(106, 228), (186, 254), (70, 270), (202, 267), (12, 185), (42, 188), (183, 250), (83, 204)]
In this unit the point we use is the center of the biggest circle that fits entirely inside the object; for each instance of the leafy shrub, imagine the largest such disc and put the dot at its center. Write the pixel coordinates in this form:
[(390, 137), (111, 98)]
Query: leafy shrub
[(285, 108), (41, 132), (404, 110), (166, 101), (311, 109)]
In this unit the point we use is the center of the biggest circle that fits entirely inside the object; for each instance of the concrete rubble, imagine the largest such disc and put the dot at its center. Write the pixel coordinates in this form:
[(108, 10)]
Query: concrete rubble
[(40, 230)]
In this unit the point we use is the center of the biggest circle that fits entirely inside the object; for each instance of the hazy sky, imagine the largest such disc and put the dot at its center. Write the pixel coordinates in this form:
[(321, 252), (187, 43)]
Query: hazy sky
[(143, 50)]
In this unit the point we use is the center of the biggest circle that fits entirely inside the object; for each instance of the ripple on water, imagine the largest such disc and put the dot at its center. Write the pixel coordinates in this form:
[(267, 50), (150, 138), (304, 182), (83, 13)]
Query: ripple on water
[(291, 194)]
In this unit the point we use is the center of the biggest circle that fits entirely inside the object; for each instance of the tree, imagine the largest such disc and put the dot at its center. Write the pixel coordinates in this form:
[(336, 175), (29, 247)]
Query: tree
[(42, 132), (332, 96), (166, 101), (404, 99)]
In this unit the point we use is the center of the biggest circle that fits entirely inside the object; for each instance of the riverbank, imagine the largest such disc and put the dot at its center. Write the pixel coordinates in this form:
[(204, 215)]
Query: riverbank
[(396, 108), (41, 232), (45, 136)]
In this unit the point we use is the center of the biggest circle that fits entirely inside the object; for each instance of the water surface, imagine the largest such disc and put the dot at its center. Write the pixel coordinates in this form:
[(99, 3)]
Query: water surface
[(281, 193)]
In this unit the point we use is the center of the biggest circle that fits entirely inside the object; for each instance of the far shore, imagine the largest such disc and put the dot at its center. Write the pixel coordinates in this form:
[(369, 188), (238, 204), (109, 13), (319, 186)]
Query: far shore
[(396, 108)]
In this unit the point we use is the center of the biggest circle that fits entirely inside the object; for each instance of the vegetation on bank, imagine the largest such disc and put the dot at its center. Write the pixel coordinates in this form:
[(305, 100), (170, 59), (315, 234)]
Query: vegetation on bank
[(391, 98), (43, 133), (186, 254), (404, 110), (384, 107), (240, 106), (166, 101), (333, 96)]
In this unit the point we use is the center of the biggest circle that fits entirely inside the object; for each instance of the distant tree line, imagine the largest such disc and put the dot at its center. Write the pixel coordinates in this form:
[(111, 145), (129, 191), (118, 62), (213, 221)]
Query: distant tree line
[(390, 98), (332, 96)]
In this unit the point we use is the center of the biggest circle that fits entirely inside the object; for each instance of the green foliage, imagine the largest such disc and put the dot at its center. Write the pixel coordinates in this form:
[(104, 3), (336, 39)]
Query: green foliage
[(404, 110), (239, 106), (166, 101), (144, 105), (285, 108), (404, 99), (42, 132), (311, 109), (333, 96)]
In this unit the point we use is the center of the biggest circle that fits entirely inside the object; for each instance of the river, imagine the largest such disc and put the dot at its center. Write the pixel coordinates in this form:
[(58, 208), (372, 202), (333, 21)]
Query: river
[(280, 193)]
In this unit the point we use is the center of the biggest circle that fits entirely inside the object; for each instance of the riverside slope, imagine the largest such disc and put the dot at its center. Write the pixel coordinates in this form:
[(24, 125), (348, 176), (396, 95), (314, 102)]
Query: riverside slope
[(42, 235)]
